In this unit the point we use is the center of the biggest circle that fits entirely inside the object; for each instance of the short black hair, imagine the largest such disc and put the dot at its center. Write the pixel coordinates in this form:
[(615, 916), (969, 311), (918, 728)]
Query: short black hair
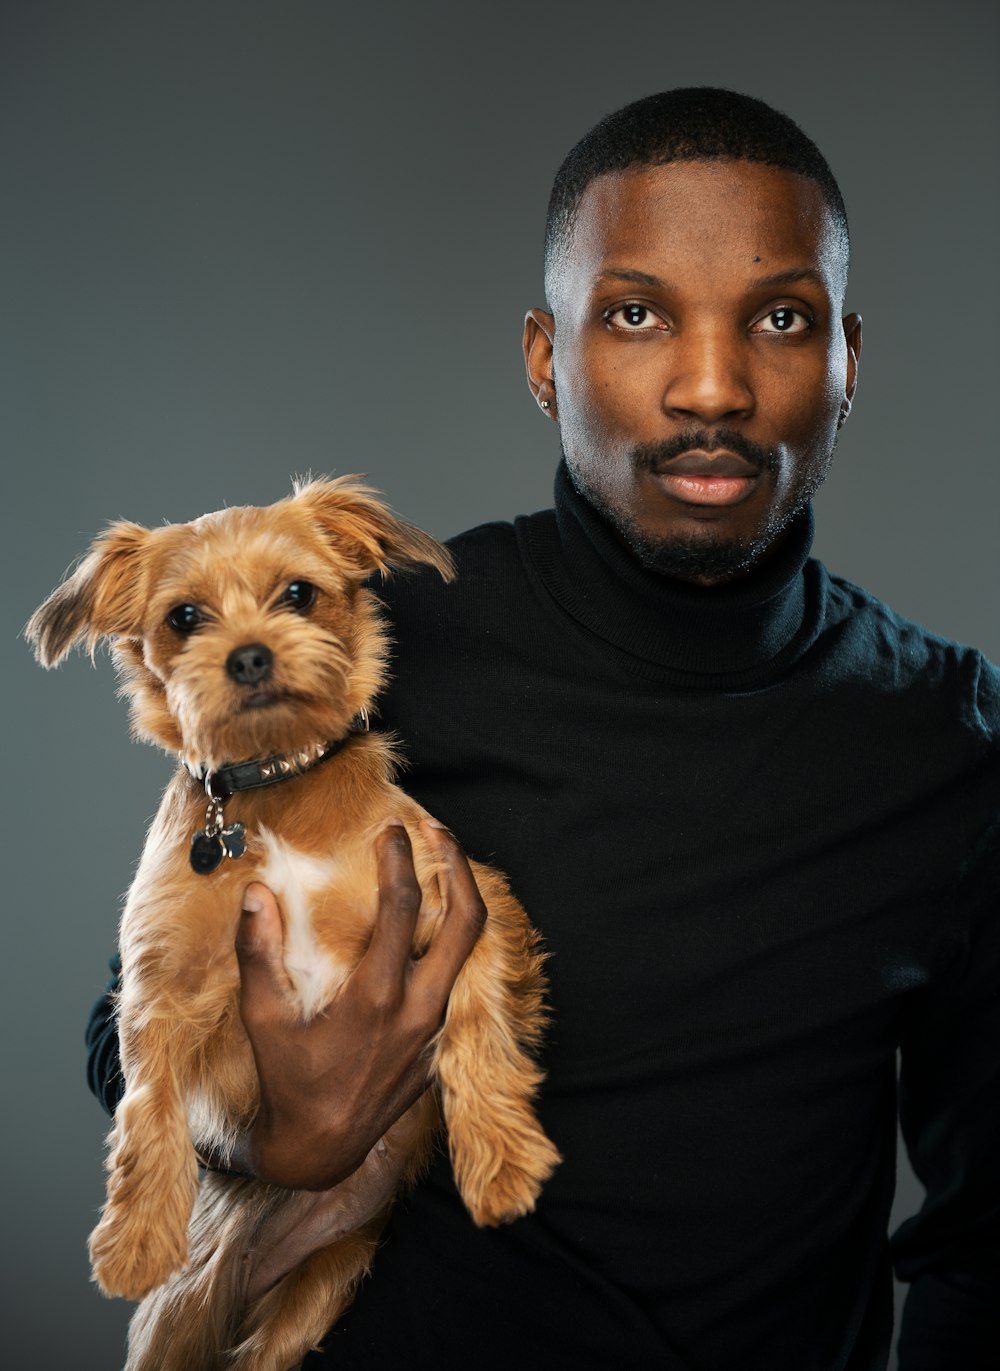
[(694, 123)]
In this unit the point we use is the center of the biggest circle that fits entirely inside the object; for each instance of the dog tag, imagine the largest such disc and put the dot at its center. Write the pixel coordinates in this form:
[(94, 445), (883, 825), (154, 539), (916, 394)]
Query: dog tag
[(207, 851), (234, 839)]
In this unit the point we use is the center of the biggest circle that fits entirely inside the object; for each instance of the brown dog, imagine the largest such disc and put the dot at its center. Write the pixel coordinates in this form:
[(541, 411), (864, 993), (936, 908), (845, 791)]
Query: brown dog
[(248, 636)]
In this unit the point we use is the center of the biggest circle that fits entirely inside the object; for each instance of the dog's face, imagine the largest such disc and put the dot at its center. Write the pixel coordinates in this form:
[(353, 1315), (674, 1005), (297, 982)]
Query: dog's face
[(248, 631)]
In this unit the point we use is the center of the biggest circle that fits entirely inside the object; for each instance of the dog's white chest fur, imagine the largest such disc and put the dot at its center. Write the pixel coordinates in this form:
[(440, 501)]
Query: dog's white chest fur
[(296, 879)]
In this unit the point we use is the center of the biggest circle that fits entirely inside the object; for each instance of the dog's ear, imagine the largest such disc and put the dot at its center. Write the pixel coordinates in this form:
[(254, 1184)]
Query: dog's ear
[(359, 524), (102, 598)]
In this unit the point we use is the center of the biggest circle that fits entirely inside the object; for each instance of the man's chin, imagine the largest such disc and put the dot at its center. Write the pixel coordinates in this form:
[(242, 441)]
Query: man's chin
[(703, 560), (700, 557)]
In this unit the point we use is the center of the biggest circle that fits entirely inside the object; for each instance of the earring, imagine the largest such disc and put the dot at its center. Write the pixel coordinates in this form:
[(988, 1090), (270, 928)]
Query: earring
[(544, 404)]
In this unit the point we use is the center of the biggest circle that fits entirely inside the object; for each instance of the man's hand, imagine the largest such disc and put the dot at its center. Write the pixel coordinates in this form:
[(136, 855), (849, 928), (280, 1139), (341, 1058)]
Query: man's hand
[(331, 1088)]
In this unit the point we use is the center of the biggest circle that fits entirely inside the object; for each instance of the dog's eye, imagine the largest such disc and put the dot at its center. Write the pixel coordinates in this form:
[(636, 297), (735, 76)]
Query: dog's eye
[(299, 596), (184, 618)]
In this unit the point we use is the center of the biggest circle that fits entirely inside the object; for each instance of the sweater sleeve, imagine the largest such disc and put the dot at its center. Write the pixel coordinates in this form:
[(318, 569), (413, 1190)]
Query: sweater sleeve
[(103, 1070), (950, 1118)]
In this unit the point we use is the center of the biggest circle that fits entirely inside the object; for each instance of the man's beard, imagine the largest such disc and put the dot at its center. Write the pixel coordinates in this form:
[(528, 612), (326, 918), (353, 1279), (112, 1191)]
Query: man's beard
[(689, 556)]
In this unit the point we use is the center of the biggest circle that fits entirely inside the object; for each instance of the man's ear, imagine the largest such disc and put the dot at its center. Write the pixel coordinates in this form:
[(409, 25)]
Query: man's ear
[(103, 598), (539, 337), (852, 333)]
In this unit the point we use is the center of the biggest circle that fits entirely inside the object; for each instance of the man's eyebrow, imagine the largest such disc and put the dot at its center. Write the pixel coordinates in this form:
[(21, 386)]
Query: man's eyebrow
[(635, 278), (789, 278), (779, 278)]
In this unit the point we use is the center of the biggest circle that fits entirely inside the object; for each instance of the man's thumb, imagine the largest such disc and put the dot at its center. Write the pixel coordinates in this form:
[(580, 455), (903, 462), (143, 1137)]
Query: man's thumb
[(259, 935)]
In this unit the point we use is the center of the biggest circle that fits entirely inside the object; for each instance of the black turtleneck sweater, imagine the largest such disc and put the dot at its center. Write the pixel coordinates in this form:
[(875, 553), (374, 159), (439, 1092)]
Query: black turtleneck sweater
[(757, 827)]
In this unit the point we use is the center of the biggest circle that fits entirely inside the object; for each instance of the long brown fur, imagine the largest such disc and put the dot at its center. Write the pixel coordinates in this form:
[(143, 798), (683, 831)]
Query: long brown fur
[(165, 1238)]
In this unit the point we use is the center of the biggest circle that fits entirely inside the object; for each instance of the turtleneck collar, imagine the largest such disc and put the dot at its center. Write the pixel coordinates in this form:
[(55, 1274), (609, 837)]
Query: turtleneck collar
[(733, 636)]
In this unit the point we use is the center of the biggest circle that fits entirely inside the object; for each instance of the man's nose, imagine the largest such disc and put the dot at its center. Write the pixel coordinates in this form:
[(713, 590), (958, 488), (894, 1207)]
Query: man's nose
[(708, 377)]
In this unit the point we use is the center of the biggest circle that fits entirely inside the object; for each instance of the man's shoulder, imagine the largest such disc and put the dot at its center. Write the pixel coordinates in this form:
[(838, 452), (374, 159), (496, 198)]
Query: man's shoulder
[(496, 539), (502, 539), (900, 655), (487, 556)]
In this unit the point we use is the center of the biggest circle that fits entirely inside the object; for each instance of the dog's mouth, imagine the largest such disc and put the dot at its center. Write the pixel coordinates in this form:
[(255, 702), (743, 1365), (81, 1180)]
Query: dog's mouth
[(266, 699)]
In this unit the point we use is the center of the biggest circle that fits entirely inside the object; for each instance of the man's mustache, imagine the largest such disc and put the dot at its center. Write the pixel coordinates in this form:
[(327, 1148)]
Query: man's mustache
[(655, 456)]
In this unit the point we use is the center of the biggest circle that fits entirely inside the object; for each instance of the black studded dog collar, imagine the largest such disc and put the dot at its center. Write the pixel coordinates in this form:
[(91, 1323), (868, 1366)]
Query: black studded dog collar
[(211, 844)]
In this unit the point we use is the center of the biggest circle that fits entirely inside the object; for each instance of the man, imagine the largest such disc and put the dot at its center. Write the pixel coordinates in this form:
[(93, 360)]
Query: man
[(752, 811)]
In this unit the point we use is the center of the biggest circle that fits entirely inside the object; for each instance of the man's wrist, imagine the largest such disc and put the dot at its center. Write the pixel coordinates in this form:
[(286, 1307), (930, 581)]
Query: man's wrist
[(308, 1157)]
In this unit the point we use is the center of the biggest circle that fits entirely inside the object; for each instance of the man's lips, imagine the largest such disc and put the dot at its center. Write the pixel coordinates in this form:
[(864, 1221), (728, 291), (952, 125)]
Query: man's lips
[(708, 464), (701, 478)]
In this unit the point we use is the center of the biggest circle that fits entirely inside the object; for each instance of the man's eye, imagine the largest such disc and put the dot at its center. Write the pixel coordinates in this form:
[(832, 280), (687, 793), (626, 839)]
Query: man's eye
[(635, 318), (298, 596), (783, 320), (185, 618)]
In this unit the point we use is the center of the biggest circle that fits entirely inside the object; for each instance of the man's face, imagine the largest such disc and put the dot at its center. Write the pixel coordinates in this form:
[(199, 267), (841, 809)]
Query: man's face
[(696, 360)]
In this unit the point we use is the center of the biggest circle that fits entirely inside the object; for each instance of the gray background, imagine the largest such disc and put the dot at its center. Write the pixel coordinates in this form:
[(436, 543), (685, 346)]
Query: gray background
[(244, 240)]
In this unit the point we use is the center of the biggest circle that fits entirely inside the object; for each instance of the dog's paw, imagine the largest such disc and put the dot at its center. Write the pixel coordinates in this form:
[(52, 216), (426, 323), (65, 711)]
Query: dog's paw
[(510, 1186), (130, 1263)]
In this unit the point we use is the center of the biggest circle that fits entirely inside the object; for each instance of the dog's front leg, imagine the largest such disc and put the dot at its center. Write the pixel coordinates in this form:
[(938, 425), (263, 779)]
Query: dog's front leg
[(153, 1175), (500, 1154)]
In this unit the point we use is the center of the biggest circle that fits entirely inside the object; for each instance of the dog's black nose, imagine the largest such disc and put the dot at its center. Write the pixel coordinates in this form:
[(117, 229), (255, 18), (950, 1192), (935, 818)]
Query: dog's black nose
[(250, 664)]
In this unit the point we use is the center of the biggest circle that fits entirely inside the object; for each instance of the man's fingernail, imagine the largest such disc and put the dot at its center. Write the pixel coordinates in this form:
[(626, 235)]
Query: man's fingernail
[(432, 822), (394, 823), (252, 903)]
